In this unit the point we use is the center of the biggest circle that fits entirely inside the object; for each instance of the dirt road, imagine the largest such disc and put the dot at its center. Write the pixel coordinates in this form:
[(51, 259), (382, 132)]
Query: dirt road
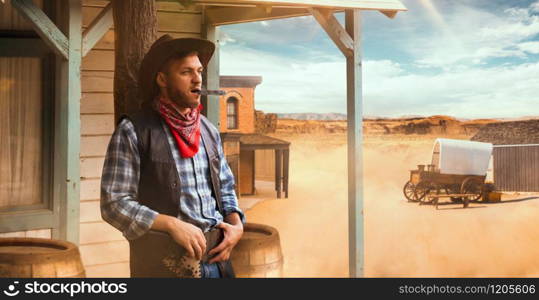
[(401, 239)]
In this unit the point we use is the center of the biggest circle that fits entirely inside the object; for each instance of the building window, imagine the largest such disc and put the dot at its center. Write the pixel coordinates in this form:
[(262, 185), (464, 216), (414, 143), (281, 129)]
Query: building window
[(36, 155), (21, 132), (26, 134), (232, 113)]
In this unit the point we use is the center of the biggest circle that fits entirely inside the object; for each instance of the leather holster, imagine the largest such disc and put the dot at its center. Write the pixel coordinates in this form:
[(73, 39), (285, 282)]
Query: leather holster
[(163, 257)]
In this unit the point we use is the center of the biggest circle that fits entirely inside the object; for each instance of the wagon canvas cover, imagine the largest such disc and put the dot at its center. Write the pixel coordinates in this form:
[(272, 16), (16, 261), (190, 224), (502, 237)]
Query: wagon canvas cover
[(461, 157)]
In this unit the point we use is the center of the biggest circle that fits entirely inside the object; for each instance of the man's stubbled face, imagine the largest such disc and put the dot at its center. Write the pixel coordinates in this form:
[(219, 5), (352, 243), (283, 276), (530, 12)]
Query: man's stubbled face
[(183, 81)]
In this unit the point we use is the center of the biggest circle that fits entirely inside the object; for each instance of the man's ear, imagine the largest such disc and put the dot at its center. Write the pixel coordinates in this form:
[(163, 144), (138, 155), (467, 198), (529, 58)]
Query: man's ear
[(161, 80)]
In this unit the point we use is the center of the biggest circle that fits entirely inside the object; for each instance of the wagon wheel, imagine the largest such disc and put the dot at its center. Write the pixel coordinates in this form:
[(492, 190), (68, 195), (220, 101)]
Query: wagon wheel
[(435, 189), (456, 199), (454, 189), (422, 189), (471, 185), (408, 191)]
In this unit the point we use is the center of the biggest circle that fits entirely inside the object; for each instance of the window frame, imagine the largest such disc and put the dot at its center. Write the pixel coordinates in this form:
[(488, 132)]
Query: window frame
[(234, 101), (46, 214)]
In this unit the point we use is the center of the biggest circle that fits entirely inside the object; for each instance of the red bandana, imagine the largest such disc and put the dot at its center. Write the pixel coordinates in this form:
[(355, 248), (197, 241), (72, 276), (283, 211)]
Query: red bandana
[(184, 128)]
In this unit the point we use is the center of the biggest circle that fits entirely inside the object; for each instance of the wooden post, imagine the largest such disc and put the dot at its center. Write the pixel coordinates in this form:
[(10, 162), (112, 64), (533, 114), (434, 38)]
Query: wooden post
[(286, 162), (348, 41), (135, 29), (278, 171), (253, 173), (211, 77), (67, 126), (355, 158)]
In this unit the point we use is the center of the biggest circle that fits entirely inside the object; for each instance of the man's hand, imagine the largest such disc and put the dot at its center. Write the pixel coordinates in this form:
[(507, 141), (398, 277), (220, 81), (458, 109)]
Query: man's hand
[(187, 235), (232, 235)]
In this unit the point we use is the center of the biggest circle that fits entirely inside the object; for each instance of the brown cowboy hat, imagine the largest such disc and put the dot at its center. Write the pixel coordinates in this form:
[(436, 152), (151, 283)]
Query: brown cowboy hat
[(160, 51)]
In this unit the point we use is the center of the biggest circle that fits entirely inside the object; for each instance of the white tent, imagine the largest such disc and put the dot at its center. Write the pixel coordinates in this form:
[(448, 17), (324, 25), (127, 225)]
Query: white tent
[(461, 157)]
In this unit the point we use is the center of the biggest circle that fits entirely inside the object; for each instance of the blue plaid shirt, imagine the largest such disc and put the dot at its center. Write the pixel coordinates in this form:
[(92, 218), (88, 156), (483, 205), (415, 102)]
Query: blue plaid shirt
[(119, 186)]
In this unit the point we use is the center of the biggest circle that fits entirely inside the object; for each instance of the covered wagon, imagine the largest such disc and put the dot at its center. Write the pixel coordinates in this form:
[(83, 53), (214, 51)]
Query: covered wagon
[(457, 171)]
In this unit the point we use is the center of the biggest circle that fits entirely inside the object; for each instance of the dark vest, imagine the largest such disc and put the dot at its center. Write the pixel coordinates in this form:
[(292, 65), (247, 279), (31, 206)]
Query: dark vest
[(159, 182)]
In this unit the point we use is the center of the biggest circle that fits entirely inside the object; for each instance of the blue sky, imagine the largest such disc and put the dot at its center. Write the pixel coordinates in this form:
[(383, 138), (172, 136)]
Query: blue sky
[(468, 59)]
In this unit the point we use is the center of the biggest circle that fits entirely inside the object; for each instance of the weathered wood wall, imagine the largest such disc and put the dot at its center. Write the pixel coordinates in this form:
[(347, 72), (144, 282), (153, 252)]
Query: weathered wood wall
[(247, 160), (516, 168), (265, 165), (105, 252)]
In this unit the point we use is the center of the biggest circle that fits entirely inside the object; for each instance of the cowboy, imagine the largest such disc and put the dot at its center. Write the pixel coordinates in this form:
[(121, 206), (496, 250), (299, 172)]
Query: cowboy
[(166, 184)]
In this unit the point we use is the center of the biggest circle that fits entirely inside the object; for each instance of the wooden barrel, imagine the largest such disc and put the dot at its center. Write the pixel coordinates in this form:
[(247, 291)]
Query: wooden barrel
[(258, 253), (36, 257)]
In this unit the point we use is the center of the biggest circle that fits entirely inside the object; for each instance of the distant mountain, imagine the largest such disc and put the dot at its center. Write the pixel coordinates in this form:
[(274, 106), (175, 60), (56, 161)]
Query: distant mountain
[(342, 117), (314, 116)]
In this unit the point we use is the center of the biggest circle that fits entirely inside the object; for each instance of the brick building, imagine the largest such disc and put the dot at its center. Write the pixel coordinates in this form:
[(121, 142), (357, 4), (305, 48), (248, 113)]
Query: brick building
[(238, 105), (249, 152)]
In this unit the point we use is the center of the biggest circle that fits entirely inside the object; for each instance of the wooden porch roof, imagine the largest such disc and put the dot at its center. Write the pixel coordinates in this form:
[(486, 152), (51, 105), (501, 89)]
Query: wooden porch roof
[(223, 12), (255, 139), (357, 4), (239, 81)]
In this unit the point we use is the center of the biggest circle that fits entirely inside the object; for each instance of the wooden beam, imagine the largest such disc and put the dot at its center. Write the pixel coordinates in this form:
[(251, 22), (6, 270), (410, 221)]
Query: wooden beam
[(23, 221), (234, 15), (286, 164), (278, 171), (211, 76), (342, 4), (263, 147), (389, 13), (266, 8), (355, 155), (334, 29), (44, 27), (97, 29), (253, 172), (67, 126)]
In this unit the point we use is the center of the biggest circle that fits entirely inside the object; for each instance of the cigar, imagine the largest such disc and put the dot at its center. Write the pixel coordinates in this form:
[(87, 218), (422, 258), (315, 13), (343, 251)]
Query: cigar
[(205, 92)]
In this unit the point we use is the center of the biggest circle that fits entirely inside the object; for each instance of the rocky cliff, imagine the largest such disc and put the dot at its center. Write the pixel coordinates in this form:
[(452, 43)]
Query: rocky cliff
[(442, 125)]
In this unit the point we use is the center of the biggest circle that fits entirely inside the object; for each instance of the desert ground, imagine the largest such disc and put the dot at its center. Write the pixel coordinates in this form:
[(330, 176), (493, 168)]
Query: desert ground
[(402, 239)]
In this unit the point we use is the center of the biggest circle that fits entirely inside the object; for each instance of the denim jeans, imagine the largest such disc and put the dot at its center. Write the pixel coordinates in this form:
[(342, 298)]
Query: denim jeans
[(210, 270)]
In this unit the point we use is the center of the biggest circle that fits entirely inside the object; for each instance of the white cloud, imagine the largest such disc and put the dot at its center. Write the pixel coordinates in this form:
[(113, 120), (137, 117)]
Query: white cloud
[(382, 69), (225, 38), (504, 91), (466, 87), (530, 47), (291, 85), (276, 32), (469, 35)]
